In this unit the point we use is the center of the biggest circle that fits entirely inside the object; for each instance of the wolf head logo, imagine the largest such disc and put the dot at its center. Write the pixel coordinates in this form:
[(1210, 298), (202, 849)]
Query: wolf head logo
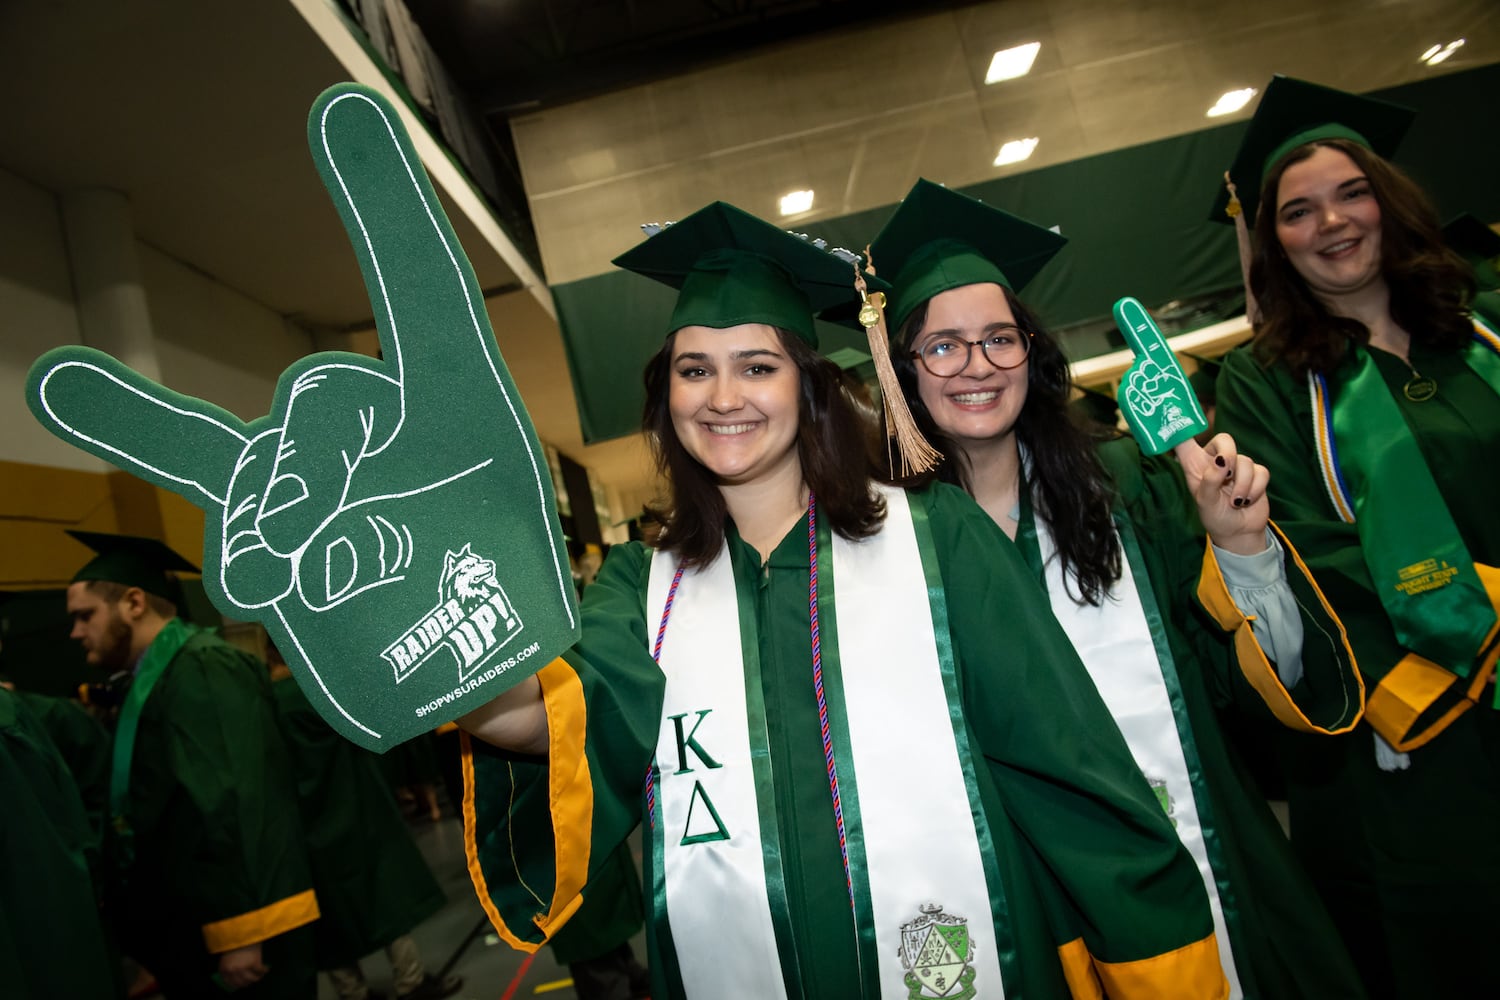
[(467, 577)]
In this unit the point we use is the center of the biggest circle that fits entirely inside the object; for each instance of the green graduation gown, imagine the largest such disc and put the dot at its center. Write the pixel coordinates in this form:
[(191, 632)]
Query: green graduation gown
[(611, 915), (1089, 866), (1403, 858), (51, 940), (84, 745), (373, 884), (218, 858), (1284, 944)]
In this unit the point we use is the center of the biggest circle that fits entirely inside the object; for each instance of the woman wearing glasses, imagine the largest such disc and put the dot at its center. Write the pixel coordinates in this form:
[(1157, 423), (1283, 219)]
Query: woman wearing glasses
[(1159, 619), (864, 762)]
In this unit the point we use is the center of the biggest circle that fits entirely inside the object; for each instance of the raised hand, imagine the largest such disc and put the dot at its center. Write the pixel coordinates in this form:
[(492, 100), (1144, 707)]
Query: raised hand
[(1163, 412), (391, 523), (1230, 490)]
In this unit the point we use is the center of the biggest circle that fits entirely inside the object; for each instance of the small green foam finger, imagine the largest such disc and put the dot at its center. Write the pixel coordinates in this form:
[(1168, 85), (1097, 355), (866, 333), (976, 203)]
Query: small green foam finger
[(1159, 404), (178, 442)]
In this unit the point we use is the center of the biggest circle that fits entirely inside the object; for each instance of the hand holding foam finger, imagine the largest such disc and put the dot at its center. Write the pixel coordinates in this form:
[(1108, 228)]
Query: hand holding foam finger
[(1230, 490)]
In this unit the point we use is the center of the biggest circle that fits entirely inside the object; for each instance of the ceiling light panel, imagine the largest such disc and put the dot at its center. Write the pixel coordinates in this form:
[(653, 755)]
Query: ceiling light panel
[(1231, 101), (1016, 150), (796, 203), (1010, 63)]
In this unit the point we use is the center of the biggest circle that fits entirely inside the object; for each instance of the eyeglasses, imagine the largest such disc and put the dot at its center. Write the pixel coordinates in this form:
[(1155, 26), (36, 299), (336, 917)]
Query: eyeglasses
[(1004, 347)]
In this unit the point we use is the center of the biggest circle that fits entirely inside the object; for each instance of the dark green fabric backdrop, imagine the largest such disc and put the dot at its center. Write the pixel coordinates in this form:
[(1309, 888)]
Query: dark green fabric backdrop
[(1137, 222)]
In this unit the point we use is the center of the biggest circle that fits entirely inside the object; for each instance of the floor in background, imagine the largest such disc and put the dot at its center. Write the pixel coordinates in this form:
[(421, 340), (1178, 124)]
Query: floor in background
[(490, 969)]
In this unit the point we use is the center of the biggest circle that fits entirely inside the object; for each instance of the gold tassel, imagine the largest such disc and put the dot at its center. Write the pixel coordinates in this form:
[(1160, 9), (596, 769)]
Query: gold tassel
[(916, 454), (1242, 236)]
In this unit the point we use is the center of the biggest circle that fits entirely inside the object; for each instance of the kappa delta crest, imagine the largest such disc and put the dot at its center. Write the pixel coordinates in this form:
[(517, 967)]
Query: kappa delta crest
[(1168, 804), (473, 619), (938, 955)]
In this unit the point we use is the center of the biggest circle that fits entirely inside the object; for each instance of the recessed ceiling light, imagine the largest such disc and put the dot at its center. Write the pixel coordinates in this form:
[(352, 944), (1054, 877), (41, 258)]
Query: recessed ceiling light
[(1231, 101), (1008, 64), (1016, 150), (796, 202), (1438, 53)]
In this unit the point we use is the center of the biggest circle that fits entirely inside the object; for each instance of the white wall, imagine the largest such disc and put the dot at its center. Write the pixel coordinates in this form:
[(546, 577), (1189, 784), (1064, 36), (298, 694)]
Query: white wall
[(36, 315), (211, 341), (215, 343)]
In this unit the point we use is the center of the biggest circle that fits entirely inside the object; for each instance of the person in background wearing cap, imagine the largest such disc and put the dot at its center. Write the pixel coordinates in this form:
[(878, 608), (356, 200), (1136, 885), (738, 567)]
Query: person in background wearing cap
[(1115, 541), (1373, 395), (51, 942), (373, 884), (211, 889), (1479, 246), (866, 761)]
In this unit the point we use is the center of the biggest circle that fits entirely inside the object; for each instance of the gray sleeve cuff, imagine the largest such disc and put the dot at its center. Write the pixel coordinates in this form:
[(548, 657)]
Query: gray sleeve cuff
[(1259, 587)]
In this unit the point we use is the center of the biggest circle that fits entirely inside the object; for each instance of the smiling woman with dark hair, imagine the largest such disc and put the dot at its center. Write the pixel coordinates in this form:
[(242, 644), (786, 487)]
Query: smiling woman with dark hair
[(866, 762), (1374, 396), (1154, 613)]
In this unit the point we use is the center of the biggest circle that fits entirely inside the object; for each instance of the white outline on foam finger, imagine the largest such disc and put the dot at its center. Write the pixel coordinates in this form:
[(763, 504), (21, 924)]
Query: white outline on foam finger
[(307, 662), (564, 581), (103, 446)]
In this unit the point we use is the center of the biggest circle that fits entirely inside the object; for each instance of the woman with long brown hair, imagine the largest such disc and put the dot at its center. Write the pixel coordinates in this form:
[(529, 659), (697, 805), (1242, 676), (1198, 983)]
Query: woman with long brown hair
[(1160, 619), (865, 762), (1373, 394)]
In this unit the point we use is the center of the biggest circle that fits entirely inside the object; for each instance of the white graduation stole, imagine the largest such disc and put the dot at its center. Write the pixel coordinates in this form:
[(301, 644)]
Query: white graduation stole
[(1114, 642), (921, 891)]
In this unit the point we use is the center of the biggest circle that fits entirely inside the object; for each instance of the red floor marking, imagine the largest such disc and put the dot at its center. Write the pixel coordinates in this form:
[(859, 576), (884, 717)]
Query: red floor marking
[(515, 984)]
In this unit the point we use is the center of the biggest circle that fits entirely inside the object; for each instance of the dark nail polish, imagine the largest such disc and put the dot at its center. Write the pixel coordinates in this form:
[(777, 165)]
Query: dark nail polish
[(1219, 460), (1241, 502)]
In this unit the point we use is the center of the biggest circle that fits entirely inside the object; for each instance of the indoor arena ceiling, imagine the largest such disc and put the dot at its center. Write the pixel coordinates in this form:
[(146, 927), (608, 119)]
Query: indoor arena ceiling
[(622, 111)]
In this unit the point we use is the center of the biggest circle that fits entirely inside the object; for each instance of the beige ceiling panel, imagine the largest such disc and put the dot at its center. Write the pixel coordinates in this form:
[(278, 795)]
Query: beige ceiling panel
[(841, 78), (582, 230), (1409, 30), (588, 141), (1133, 99), (1244, 59), (1032, 107), (951, 147), (755, 181), (985, 29), (1091, 32)]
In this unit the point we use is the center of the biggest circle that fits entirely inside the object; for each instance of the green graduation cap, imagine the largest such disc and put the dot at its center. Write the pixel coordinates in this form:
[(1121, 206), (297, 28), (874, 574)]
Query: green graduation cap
[(133, 561), (731, 268), (940, 239), (1478, 244), (1094, 406), (1293, 113)]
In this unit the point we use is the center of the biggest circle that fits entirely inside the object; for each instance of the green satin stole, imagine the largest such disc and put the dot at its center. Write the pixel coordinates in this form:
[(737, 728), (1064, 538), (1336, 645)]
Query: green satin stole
[(1422, 571), (168, 642)]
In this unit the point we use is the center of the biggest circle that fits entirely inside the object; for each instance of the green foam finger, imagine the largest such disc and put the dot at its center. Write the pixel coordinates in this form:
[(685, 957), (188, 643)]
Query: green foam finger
[(426, 300), (337, 414), (178, 442), (1159, 405), (391, 523)]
